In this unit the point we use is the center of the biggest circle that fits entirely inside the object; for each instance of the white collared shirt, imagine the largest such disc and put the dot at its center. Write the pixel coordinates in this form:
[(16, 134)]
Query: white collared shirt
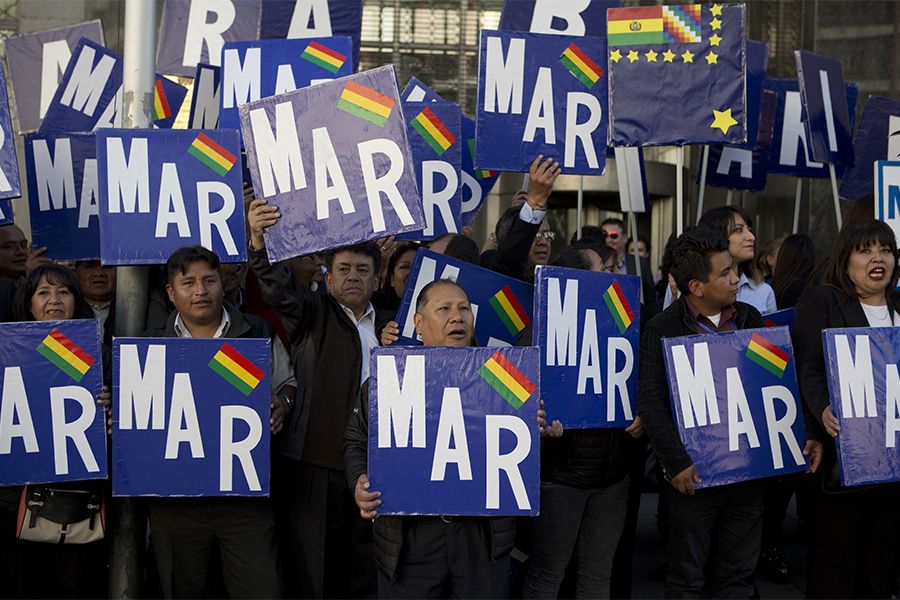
[(367, 338), (531, 215), (183, 332), (100, 314)]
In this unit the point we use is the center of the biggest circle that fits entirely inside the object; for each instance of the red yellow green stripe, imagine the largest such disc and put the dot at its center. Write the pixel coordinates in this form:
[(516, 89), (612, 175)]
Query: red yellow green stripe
[(580, 65), (236, 369), (65, 354), (507, 380), (212, 154), (161, 108), (637, 25), (433, 131), (767, 355), (479, 173), (366, 103), (325, 57), (510, 311), (618, 307)]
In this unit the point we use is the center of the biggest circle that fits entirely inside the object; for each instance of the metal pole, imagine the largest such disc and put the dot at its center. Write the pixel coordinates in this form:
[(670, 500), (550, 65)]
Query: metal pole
[(138, 75), (704, 165), (579, 218), (679, 192), (729, 197), (834, 193), (797, 196), (634, 246)]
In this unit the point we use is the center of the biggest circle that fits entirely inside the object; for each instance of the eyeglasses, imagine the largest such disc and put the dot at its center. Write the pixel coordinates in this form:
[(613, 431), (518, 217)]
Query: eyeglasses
[(547, 235)]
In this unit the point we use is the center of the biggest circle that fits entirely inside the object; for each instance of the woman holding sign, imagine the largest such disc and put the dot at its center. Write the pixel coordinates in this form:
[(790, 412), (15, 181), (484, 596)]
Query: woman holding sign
[(855, 531)]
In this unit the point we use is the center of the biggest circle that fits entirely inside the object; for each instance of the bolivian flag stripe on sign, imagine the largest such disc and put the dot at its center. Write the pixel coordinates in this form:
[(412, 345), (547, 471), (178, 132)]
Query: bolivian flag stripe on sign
[(633, 26)]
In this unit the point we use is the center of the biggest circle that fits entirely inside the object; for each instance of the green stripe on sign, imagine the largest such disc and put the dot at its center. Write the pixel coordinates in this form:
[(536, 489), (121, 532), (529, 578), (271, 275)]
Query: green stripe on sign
[(615, 313), (500, 387), (764, 363), (427, 137), (361, 112), (230, 377), (501, 312), (318, 61), (574, 70), (60, 362), (198, 154), (635, 39)]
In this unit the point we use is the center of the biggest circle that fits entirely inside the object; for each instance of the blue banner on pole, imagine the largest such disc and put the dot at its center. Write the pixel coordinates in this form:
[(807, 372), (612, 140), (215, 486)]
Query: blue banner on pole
[(63, 194), (541, 94), (572, 19), (313, 18), (168, 97), (485, 400), (862, 380), (677, 75), (502, 305), (164, 189), (877, 138), (736, 404), (262, 69), (191, 417), (587, 326), (9, 163), (51, 428), (205, 98), (293, 143), (192, 32), (828, 124), (36, 61)]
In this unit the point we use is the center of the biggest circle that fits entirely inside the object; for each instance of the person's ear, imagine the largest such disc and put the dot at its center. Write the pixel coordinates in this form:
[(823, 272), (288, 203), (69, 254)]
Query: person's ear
[(696, 287), (417, 321), (171, 292), (328, 279)]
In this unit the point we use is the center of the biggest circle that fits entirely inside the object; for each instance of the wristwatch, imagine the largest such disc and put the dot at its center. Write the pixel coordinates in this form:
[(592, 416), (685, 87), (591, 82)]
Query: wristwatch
[(288, 400)]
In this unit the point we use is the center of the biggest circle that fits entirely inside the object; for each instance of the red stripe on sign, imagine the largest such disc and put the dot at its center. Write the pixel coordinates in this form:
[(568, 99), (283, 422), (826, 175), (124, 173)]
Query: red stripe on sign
[(622, 299), (222, 151), (770, 346), (72, 347), (328, 51), (585, 59), (514, 302), (439, 125), (243, 362), (161, 93), (636, 13), (514, 372)]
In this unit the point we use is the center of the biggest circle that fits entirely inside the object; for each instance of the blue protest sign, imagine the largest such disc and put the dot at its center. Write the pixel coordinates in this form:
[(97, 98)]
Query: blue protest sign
[(6, 212), (191, 417), (887, 193), (485, 400), (863, 379), (780, 318), (587, 326), (254, 70), (677, 75), (161, 190), (828, 125), (293, 143), (435, 140), (168, 97), (205, 98), (46, 53), (877, 138), (541, 94), (193, 32), (63, 194), (573, 19), (502, 305), (50, 426), (9, 164), (736, 404), (313, 18)]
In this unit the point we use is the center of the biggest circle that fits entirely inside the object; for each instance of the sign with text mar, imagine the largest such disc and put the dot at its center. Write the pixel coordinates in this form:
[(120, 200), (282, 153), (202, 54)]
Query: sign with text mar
[(51, 428), (191, 417), (736, 404), (452, 431), (335, 159)]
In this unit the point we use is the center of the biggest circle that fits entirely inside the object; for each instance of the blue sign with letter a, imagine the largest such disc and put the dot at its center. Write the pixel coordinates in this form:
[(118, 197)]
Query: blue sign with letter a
[(164, 189), (312, 18), (453, 431), (191, 416), (736, 404), (51, 428), (587, 326)]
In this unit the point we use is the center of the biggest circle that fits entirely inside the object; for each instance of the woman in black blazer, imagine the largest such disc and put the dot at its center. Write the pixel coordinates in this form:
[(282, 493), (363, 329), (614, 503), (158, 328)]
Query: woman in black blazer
[(853, 548)]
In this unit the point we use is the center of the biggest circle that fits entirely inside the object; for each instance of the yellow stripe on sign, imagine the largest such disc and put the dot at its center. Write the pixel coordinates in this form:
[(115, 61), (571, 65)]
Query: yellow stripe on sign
[(772, 358), (354, 98), (589, 72), (510, 311), (624, 26), (235, 368), (322, 56), (66, 354), (157, 104), (212, 154), (430, 128), (514, 386), (623, 314)]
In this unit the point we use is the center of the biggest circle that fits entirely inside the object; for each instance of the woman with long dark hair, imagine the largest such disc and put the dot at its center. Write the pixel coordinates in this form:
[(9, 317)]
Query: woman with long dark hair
[(793, 269), (853, 548)]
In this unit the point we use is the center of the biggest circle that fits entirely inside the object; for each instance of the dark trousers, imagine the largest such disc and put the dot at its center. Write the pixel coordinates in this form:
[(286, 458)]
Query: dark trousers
[(853, 543), (326, 546), (716, 531), (189, 534), (441, 559), (583, 522), (623, 560), (778, 496)]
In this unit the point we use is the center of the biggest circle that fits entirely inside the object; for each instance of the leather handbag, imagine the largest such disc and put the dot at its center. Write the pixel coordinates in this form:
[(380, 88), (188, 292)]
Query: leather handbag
[(61, 515)]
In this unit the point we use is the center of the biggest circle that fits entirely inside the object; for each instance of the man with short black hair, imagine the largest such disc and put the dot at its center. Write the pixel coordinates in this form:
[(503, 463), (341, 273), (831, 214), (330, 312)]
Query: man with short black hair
[(98, 284), (614, 229)]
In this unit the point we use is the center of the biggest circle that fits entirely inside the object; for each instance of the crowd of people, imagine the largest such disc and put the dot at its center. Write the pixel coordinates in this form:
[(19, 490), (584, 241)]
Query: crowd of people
[(319, 533)]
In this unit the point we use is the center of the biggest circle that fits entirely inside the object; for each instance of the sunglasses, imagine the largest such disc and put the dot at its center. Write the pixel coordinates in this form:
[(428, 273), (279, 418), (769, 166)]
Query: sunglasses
[(613, 235)]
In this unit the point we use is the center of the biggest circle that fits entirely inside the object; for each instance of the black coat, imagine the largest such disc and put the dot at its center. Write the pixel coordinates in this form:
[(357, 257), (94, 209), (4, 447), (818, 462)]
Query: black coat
[(511, 256), (647, 284)]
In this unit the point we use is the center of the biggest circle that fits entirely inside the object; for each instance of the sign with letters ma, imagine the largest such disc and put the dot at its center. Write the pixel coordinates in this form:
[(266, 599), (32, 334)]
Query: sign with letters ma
[(335, 159), (452, 431), (736, 404), (161, 190), (587, 326), (541, 94), (191, 417), (205, 98), (51, 428)]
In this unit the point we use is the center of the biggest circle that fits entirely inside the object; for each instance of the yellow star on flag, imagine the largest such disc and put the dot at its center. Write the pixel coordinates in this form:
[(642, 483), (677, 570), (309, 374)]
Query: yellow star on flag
[(687, 57), (668, 56), (715, 24), (633, 56), (651, 56), (615, 55), (716, 10), (723, 120), (714, 39), (712, 58)]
